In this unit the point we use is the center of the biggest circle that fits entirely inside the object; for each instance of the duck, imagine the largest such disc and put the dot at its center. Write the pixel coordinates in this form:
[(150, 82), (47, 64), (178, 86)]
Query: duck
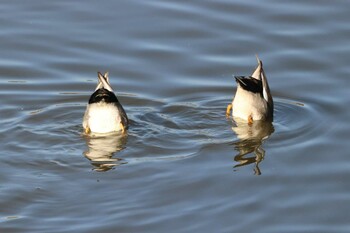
[(104, 113), (253, 100)]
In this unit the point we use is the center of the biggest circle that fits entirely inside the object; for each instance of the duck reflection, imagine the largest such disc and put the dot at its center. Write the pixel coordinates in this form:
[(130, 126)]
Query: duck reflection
[(251, 137), (102, 148)]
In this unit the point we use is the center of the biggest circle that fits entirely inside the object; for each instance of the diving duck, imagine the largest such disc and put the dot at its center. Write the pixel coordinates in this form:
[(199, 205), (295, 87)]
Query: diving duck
[(253, 100), (104, 113)]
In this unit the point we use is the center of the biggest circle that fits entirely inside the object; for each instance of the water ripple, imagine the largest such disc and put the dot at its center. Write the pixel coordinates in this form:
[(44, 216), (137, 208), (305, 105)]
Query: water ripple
[(182, 161), (296, 122)]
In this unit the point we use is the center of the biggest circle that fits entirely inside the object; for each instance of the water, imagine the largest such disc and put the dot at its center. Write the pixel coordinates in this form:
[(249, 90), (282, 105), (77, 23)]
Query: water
[(183, 167)]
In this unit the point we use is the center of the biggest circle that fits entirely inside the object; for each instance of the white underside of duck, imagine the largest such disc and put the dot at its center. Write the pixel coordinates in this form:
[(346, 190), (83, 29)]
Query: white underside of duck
[(247, 104), (102, 118)]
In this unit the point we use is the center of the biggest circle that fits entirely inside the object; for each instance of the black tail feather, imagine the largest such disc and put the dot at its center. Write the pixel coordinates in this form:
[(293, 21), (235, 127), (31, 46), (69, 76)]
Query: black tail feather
[(249, 84)]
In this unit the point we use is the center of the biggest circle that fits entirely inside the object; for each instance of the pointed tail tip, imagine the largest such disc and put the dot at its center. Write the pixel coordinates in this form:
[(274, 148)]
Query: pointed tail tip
[(104, 76), (258, 60), (103, 81)]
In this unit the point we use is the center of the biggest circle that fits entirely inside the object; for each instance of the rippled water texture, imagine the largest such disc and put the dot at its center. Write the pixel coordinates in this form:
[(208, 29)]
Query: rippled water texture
[(182, 167)]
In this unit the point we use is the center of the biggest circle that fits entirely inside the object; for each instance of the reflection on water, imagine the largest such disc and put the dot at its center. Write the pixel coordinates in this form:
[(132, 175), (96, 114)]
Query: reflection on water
[(251, 137), (173, 62), (101, 150)]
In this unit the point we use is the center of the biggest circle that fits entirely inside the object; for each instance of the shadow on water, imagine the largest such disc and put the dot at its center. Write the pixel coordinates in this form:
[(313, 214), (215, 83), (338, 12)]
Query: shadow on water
[(102, 149), (249, 145)]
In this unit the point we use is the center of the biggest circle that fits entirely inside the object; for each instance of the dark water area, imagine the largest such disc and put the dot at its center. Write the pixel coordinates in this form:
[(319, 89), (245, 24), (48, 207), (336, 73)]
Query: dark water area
[(183, 166)]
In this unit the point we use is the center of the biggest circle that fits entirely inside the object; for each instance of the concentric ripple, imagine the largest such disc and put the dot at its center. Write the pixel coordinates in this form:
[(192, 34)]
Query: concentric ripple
[(160, 130), (296, 122)]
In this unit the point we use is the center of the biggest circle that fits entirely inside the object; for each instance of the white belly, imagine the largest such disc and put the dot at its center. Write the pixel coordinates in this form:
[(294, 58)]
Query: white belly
[(102, 118), (247, 104)]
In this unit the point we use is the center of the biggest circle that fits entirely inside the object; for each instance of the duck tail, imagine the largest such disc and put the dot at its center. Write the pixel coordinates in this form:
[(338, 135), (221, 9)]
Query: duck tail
[(257, 73), (99, 83), (103, 81), (266, 89)]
